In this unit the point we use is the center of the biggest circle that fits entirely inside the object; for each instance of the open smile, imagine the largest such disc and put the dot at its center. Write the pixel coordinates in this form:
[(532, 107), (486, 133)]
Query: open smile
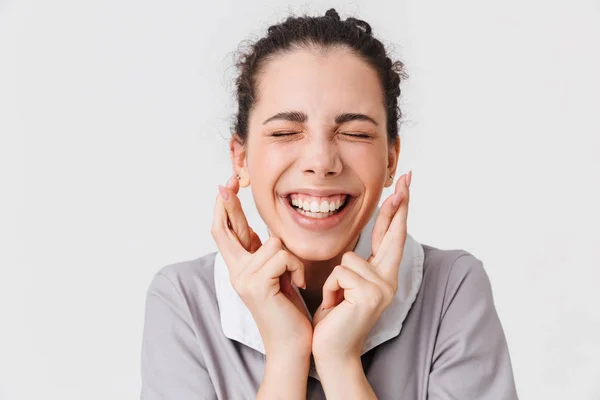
[(318, 212)]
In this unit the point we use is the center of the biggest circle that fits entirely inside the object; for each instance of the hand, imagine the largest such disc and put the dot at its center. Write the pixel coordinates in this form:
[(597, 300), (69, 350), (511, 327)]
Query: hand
[(262, 275), (358, 290), (237, 220)]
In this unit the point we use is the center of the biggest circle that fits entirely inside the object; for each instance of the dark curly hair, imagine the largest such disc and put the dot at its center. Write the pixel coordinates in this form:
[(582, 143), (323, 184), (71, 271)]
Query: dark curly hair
[(326, 32)]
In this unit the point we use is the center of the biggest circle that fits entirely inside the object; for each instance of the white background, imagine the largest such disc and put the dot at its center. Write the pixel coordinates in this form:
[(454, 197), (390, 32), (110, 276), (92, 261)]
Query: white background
[(114, 119)]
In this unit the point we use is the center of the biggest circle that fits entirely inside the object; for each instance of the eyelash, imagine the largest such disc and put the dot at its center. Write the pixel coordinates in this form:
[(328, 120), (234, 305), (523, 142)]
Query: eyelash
[(280, 134), (358, 135)]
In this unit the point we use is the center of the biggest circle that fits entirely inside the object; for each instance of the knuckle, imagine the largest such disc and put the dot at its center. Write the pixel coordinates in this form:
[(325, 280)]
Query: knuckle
[(347, 257), (281, 253), (338, 269), (374, 296), (275, 242), (388, 292)]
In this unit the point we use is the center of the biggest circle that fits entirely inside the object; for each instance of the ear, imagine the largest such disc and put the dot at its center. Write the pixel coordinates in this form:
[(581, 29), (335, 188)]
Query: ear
[(237, 152), (393, 155)]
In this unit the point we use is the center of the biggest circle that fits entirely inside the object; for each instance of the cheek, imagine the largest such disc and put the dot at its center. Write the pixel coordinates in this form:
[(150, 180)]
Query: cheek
[(265, 168), (369, 163)]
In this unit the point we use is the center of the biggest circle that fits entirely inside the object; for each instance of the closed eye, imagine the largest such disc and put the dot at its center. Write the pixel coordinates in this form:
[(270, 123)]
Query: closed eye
[(280, 134), (357, 135)]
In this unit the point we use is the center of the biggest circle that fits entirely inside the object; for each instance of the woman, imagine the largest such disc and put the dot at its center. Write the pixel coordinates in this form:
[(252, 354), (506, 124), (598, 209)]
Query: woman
[(340, 301)]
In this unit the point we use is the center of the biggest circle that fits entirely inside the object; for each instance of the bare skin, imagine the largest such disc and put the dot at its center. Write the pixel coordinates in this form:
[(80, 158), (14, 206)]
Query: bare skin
[(354, 296), (313, 153)]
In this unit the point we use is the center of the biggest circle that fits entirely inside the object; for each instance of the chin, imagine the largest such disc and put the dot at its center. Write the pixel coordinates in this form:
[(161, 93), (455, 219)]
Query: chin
[(317, 249)]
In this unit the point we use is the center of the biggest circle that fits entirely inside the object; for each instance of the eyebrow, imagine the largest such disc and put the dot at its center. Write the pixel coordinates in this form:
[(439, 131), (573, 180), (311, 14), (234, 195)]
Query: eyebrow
[(299, 116)]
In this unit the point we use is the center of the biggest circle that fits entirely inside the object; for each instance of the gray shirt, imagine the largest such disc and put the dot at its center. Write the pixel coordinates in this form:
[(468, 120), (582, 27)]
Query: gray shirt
[(442, 340)]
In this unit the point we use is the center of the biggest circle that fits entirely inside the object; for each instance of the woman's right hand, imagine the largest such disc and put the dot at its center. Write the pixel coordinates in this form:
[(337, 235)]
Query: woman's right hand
[(262, 275)]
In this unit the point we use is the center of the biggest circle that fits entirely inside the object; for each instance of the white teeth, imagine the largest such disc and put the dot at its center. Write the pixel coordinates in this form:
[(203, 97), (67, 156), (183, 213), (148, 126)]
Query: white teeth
[(324, 206), (314, 206), (317, 215), (314, 209), (332, 206)]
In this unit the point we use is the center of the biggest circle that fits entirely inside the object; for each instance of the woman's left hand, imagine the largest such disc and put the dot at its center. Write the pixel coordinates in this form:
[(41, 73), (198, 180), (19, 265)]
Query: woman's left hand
[(358, 290)]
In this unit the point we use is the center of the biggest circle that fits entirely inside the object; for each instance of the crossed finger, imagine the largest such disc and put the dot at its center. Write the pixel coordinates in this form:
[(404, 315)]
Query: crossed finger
[(389, 232), (227, 241), (229, 223), (235, 213)]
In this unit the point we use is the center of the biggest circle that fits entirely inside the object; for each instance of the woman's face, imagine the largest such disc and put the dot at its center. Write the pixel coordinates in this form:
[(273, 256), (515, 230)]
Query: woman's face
[(317, 140)]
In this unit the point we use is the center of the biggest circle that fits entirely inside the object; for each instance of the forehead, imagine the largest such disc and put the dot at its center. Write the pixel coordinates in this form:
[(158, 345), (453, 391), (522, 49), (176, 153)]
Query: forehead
[(319, 83)]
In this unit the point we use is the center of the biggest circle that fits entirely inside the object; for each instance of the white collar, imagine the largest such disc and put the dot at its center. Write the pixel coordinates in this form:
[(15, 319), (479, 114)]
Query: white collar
[(238, 324)]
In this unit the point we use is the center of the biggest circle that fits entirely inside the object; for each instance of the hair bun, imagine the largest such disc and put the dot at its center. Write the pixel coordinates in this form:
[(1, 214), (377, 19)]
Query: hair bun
[(331, 13), (362, 25)]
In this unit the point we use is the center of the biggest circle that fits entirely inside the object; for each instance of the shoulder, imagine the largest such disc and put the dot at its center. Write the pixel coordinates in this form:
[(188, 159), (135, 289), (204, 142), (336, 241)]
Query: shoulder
[(190, 279), (179, 318), (450, 267), (451, 273), (468, 340)]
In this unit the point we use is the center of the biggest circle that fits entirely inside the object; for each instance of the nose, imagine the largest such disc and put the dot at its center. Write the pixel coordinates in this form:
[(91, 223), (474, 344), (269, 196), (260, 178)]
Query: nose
[(321, 158)]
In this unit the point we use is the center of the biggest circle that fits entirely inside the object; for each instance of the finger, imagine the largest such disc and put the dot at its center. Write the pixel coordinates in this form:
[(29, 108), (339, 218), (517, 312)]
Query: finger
[(388, 257), (236, 216), (290, 292), (226, 240), (384, 219), (265, 252), (233, 184), (365, 270), (281, 262), (341, 278), (320, 314)]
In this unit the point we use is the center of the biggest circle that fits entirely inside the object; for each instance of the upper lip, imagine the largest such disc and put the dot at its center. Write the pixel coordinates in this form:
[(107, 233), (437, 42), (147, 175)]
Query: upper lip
[(317, 192)]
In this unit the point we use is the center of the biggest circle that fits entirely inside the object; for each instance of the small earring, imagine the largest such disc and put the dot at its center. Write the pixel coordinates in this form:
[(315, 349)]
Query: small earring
[(392, 177), (238, 177)]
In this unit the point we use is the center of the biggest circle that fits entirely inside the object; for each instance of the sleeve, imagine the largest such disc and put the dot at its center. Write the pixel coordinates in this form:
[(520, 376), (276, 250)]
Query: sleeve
[(470, 359), (171, 363)]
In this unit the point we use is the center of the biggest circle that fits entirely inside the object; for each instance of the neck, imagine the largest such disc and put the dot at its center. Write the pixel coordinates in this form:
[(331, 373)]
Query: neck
[(316, 273)]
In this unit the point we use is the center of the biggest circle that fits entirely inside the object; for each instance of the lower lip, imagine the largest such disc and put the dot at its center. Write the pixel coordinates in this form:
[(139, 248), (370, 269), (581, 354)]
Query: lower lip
[(319, 224)]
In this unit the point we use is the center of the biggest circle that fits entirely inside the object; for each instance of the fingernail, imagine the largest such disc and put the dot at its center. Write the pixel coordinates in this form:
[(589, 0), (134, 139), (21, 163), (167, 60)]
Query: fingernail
[(397, 199), (409, 177), (224, 193), (230, 181)]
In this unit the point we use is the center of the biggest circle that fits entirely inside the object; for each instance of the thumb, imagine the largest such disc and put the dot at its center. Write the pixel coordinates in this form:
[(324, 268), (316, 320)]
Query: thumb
[(320, 314)]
